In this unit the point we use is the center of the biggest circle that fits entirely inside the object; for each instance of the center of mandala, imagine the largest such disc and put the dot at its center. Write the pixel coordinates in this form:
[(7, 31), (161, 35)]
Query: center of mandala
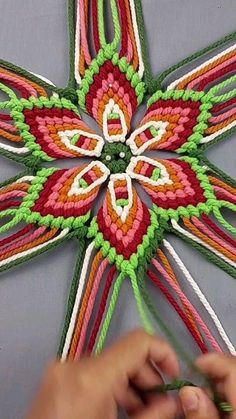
[(116, 156)]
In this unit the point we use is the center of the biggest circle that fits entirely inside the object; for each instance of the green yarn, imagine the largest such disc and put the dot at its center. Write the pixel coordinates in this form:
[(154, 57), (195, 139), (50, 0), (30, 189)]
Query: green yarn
[(211, 257), (221, 86), (116, 163), (221, 219), (221, 42), (9, 92), (125, 67), (134, 269), (228, 179), (71, 27), (110, 312), (141, 309)]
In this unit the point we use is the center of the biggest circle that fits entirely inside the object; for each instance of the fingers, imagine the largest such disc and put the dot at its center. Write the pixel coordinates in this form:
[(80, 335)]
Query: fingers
[(164, 408), (196, 404), (221, 369), (217, 366), (137, 348), (129, 400)]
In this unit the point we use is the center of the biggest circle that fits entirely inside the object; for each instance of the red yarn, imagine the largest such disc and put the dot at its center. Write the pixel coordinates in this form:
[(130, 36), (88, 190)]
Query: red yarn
[(102, 308)]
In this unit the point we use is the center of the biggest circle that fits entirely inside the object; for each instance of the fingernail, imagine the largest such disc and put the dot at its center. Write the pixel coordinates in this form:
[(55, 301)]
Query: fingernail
[(190, 400)]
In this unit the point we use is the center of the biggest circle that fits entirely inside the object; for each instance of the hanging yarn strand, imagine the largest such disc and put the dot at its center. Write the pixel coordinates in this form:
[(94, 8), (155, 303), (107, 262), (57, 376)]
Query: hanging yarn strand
[(124, 240)]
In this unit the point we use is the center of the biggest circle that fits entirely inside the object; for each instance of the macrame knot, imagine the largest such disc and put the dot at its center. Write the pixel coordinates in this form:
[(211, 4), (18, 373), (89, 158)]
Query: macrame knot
[(70, 94), (81, 232), (32, 164)]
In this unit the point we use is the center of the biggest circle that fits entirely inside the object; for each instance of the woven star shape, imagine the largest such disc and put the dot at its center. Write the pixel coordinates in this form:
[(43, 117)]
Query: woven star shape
[(41, 123)]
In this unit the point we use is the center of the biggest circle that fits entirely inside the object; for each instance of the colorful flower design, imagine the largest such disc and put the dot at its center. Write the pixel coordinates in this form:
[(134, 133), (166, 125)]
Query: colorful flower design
[(41, 123)]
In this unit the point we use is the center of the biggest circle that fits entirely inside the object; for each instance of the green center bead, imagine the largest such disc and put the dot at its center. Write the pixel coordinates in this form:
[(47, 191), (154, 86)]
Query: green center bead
[(116, 156)]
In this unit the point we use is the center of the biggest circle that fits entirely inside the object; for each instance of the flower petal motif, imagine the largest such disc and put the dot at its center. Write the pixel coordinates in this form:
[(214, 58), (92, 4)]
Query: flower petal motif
[(171, 183), (123, 218), (110, 92), (64, 197), (51, 128)]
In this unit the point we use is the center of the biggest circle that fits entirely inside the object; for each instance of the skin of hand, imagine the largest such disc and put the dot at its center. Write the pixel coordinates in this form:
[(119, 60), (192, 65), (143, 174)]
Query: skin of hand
[(95, 387), (222, 371)]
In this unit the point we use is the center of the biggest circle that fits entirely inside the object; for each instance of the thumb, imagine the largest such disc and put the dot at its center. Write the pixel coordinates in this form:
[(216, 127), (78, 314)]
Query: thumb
[(196, 404)]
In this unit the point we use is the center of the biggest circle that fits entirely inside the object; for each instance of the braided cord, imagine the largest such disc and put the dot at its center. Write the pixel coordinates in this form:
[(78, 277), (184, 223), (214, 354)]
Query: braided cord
[(221, 42), (110, 312), (71, 27), (207, 253), (139, 300), (178, 384), (73, 291), (101, 25)]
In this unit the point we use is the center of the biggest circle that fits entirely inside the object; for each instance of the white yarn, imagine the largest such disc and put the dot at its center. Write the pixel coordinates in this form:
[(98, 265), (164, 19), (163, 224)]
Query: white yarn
[(123, 212), (35, 249), (137, 39), (25, 179), (164, 176), (77, 45), (67, 135), (43, 78), (76, 190), (113, 107), (215, 134), (195, 70), (77, 301), (160, 125), (15, 150), (201, 297)]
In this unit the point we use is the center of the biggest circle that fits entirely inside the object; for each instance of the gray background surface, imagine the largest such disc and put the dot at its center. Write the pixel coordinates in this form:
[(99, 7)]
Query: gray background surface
[(33, 34)]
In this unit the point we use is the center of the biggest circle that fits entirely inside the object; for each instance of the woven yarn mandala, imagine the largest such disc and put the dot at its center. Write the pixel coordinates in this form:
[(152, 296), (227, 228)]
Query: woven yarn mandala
[(125, 239)]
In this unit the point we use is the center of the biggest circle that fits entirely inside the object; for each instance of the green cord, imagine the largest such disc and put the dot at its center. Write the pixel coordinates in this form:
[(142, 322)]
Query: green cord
[(139, 300), (71, 26), (110, 312), (9, 92), (221, 42), (101, 24), (179, 384)]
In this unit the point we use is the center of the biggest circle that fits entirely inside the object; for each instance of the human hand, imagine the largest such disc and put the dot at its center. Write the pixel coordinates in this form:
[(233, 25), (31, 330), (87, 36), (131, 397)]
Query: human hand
[(221, 369), (94, 388)]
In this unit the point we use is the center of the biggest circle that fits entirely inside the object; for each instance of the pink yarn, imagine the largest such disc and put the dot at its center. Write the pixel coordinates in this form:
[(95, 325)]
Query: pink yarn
[(193, 83), (22, 242), (8, 127), (226, 193), (222, 117), (84, 43), (213, 236)]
